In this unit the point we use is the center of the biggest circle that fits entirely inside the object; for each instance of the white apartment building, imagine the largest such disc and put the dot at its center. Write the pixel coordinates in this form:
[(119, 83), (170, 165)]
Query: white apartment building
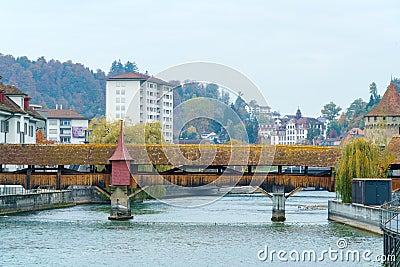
[(140, 98), (65, 126), (18, 121)]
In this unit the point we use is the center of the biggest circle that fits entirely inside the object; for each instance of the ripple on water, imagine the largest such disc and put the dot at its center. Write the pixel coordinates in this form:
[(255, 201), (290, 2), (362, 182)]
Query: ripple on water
[(228, 232)]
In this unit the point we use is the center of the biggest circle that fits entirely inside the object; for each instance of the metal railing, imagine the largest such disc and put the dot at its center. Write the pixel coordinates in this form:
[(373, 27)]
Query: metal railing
[(389, 216), (390, 225), (6, 190)]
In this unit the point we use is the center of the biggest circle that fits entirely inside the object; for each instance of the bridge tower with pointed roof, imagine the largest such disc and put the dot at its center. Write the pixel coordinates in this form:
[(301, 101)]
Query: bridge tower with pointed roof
[(383, 121), (120, 181)]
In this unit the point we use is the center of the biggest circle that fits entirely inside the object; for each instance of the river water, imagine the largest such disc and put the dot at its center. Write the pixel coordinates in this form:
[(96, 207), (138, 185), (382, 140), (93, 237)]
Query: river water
[(228, 232)]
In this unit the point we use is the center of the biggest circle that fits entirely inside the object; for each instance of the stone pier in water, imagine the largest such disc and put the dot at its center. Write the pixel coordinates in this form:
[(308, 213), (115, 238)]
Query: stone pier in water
[(278, 204)]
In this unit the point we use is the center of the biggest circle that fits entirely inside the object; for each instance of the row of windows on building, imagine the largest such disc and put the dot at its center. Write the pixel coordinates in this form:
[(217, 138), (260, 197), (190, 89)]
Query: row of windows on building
[(120, 108), (167, 104), (290, 138), (120, 92), (383, 118), (294, 132), (151, 93), (120, 115), (5, 128), (121, 84), (154, 109), (154, 117), (62, 122), (155, 94), (120, 100), (62, 131)]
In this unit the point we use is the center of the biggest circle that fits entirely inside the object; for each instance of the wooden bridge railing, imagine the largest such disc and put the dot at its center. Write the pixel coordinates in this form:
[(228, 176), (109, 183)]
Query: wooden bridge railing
[(185, 180), (55, 180)]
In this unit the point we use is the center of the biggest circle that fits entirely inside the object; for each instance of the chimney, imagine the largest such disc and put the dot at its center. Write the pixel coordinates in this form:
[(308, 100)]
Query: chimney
[(2, 95), (26, 102), (56, 106), (60, 106)]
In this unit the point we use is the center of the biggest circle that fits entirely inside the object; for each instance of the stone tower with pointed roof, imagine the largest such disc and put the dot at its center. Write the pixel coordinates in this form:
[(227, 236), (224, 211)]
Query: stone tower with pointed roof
[(383, 121)]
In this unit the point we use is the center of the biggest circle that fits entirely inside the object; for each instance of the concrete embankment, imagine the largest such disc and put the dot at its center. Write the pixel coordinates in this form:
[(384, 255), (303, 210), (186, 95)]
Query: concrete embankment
[(87, 194), (48, 199), (35, 201), (356, 215)]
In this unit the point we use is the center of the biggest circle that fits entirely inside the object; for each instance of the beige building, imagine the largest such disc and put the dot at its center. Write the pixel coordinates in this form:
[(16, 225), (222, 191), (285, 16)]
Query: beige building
[(383, 121)]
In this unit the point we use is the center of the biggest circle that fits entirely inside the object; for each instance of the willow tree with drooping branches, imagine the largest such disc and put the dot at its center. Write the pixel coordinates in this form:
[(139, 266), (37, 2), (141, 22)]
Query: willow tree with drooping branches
[(359, 159)]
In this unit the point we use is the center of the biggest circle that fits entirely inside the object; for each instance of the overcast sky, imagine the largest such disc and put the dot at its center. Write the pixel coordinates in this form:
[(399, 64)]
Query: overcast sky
[(299, 53)]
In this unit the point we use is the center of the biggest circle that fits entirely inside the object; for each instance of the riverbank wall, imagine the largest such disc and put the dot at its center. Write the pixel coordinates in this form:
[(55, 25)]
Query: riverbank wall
[(83, 194), (35, 201), (49, 199), (356, 215)]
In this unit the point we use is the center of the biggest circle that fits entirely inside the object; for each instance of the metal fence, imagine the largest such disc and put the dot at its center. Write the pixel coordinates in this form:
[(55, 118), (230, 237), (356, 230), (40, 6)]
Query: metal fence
[(390, 225), (6, 190)]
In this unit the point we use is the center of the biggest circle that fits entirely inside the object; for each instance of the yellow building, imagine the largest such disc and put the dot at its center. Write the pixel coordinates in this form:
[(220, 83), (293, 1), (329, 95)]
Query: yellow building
[(383, 121)]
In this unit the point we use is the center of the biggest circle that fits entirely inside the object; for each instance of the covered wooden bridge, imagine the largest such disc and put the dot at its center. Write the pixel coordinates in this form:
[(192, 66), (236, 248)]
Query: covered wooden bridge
[(184, 165)]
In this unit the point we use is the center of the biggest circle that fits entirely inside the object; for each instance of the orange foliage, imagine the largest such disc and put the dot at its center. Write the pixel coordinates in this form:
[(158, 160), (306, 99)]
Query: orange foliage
[(41, 140)]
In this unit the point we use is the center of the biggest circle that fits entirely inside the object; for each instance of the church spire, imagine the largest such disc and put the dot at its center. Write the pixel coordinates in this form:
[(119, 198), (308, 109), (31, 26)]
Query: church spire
[(298, 113)]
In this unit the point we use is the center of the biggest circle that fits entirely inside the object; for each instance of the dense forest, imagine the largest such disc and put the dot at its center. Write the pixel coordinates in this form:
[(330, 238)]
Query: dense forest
[(51, 82)]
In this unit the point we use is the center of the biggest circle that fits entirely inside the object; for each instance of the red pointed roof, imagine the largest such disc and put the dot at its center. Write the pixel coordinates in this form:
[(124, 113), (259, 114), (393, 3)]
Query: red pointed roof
[(121, 153), (389, 104)]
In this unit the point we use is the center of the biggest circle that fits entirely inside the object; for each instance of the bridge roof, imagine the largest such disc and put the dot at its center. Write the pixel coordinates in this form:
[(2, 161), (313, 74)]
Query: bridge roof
[(176, 155)]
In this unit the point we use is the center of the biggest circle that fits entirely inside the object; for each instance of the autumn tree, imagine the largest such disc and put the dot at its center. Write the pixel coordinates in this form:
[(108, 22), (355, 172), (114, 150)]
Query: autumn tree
[(103, 131), (359, 159), (40, 138)]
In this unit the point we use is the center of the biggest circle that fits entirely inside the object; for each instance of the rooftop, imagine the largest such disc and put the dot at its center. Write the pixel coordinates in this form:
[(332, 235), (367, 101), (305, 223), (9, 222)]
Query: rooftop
[(389, 104), (138, 76), (10, 106), (11, 90), (63, 114)]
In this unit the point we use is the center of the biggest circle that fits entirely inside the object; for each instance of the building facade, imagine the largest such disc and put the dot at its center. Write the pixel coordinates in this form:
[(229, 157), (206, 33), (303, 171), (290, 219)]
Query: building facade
[(18, 121), (65, 126), (383, 121), (139, 98), (294, 129)]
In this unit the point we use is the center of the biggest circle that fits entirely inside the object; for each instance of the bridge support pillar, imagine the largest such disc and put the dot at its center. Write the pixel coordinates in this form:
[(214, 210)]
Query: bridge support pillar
[(278, 204), (120, 203)]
